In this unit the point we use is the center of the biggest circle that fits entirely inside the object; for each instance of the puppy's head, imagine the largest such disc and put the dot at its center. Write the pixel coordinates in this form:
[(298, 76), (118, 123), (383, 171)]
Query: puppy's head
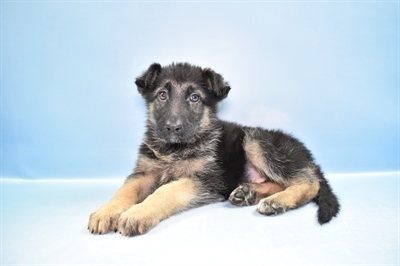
[(182, 100)]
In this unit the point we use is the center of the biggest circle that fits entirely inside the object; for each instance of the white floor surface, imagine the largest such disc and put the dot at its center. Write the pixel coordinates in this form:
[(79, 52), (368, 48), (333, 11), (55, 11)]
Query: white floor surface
[(45, 222)]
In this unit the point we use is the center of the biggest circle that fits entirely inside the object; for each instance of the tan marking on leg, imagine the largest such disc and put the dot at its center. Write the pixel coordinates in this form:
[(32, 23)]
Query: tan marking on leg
[(251, 193), (255, 156), (266, 189), (134, 190), (292, 197), (165, 201)]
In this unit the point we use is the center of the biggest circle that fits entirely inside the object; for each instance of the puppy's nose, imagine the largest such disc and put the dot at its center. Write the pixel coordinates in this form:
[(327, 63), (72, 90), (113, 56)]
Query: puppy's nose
[(175, 128)]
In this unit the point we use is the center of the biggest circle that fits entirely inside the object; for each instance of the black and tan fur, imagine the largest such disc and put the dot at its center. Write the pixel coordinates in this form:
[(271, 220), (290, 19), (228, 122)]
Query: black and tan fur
[(189, 158)]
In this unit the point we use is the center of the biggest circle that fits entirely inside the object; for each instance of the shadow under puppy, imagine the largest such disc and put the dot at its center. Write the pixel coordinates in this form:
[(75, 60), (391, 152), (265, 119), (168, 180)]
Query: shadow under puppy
[(189, 158)]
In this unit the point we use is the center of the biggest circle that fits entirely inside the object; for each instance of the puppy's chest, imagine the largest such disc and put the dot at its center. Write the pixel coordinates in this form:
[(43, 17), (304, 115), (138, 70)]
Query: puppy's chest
[(172, 169)]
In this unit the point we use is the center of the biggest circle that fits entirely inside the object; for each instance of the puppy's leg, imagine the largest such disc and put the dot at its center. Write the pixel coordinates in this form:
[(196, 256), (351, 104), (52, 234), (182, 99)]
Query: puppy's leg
[(284, 160), (134, 190), (292, 197), (168, 199), (249, 194)]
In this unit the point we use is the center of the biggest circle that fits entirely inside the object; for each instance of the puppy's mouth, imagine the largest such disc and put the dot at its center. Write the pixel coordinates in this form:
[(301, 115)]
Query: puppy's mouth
[(174, 139)]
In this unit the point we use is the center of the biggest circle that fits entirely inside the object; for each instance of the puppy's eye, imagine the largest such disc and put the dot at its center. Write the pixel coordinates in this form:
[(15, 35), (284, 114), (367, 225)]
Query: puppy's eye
[(162, 95), (194, 98)]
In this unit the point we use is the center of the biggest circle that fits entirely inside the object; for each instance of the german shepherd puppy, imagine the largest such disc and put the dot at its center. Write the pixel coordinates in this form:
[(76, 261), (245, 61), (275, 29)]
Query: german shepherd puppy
[(189, 158)]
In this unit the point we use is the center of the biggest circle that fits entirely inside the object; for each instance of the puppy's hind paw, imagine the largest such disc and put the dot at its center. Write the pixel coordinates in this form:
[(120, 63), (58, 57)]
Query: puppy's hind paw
[(270, 207), (243, 195)]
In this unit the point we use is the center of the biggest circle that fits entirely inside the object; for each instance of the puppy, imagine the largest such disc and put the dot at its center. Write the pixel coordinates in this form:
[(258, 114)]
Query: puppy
[(189, 158)]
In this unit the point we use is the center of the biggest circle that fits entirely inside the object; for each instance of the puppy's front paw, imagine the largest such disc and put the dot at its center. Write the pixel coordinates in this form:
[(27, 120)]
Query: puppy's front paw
[(137, 220), (271, 206), (243, 195), (105, 219)]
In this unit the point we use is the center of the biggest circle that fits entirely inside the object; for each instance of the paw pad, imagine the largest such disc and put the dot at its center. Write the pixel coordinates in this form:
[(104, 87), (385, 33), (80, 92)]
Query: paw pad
[(269, 207), (243, 196)]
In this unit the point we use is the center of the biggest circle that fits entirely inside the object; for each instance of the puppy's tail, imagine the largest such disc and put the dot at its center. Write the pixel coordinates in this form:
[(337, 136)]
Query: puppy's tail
[(327, 202)]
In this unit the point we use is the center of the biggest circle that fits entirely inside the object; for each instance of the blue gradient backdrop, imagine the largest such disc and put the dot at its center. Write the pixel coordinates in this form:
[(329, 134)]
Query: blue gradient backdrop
[(328, 72)]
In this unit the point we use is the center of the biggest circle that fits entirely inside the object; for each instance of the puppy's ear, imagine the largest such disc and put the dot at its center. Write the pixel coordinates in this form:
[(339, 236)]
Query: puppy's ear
[(216, 83), (148, 77)]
